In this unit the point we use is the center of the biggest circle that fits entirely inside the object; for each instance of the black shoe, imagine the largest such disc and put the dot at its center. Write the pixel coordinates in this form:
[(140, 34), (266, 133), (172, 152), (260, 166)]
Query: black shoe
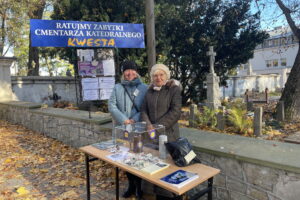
[(129, 192), (131, 185)]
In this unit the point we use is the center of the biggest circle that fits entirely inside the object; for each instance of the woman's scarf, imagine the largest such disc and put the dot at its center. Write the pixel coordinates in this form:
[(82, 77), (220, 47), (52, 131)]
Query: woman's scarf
[(159, 88), (134, 82)]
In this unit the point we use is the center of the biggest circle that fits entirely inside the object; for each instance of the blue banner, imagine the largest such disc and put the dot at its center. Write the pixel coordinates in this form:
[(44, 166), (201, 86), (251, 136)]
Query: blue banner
[(60, 33)]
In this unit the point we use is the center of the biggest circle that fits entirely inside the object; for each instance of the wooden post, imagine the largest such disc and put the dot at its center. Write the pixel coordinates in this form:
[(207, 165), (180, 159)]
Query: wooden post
[(267, 95), (150, 32), (258, 121), (247, 96), (250, 106), (280, 115), (192, 117)]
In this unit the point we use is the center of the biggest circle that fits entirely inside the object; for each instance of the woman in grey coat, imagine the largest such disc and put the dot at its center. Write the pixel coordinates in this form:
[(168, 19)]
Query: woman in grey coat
[(124, 105), (127, 97)]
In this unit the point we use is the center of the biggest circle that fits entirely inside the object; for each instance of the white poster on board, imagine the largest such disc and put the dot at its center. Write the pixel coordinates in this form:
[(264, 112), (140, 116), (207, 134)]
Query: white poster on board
[(108, 67), (89, 83), (106, 82), (105, 93), (85, 54), (90, 95)]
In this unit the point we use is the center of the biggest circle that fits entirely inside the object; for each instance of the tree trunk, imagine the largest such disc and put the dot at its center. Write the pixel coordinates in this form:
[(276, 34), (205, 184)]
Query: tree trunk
[(33, 60), (33, 54), (2, 42), (291, 92)]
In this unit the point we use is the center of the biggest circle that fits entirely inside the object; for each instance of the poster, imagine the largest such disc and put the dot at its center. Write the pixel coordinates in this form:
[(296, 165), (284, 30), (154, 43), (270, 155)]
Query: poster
[(105, 93), (90, 95), (109, 67), (85, 69), (97, 74), (106, 82), (86, 54), (94, 68), (90, 83)]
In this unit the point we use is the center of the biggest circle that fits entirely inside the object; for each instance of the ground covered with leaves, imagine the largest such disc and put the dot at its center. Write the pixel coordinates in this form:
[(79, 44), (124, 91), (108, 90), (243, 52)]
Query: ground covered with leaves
[(33, 166)]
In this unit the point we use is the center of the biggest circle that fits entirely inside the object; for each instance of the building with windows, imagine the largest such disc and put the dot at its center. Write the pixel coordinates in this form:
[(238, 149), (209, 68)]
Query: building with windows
[(276, 55)]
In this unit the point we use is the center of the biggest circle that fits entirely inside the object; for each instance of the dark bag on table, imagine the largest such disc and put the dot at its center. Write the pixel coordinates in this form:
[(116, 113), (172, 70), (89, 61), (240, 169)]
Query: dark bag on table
[(182, 153)]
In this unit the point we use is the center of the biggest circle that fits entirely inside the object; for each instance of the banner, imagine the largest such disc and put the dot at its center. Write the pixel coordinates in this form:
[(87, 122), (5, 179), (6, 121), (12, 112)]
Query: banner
[(60, 33)]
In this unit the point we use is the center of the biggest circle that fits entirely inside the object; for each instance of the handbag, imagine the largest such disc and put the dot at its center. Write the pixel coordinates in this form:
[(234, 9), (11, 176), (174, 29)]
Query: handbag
[(182, 152)]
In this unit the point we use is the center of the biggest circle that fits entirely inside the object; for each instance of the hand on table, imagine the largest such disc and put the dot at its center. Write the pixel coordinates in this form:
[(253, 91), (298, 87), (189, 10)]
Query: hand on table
[(129, 121)]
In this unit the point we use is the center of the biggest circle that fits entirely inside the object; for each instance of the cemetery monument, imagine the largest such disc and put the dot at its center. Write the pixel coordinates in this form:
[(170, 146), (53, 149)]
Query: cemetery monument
[(213, 90)]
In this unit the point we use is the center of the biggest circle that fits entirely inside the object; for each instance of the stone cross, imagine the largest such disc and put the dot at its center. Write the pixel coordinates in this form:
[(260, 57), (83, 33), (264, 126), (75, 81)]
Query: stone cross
[(212, 56)]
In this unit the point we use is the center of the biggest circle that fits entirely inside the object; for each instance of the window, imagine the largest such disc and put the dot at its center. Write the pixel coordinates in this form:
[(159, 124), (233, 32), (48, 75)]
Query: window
[(283, 62), (270, 43), (269, 63), (265, 44), (276, 42), (275, 63), (283, 41)]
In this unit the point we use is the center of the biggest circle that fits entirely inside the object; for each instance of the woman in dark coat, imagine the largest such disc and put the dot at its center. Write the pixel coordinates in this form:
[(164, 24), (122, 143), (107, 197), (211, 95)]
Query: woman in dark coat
[(162, 105)]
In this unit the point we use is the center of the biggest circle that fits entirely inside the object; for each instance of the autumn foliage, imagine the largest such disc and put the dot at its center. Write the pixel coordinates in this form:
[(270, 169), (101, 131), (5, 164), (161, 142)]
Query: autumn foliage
[(33, 166)]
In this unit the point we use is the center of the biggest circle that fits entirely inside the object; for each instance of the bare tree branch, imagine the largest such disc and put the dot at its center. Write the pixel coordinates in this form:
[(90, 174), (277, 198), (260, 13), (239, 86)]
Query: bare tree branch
[(287, 12)]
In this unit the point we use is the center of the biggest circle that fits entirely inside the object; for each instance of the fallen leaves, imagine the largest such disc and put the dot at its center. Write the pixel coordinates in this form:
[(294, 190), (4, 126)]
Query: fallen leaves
[(68, 195), (22, 191), (35, 167), (8, 160)]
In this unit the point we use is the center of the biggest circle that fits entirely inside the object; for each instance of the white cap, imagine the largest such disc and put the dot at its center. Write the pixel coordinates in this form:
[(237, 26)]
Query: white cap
[(161, 67)]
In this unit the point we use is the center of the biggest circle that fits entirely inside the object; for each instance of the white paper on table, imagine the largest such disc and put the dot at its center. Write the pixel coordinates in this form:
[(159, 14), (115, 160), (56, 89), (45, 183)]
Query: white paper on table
[(89, 95), (105, 93), (106, 82), (89, 83), (85, 54), (120, 156), (108, 67)]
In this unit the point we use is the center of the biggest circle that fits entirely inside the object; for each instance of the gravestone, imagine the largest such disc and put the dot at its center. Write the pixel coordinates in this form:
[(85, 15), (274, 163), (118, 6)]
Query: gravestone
[(212, 80), (5, 78), (221, 118), (192, 116), (258, 121)]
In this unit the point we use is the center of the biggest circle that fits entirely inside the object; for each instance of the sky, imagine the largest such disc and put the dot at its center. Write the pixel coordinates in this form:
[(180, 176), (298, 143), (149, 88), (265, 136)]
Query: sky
[(271, 14)]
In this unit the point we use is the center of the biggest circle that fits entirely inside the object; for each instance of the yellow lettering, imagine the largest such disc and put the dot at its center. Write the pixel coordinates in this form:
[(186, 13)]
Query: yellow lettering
[(71, 42), (97, 42), (104, 42), (111, 42), (81, 42), (90, 42)]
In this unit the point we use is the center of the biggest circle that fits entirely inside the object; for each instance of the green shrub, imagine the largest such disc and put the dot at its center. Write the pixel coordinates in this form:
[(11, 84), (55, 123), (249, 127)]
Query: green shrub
[(239, 119), (207, 117), (236, 103)]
